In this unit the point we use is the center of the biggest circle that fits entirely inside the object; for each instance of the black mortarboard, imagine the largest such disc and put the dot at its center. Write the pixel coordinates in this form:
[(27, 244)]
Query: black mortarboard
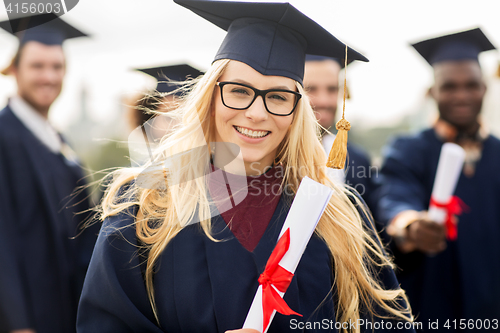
[(47, 29), (174, 73), (465, 45), (341, 62), (272, 38)]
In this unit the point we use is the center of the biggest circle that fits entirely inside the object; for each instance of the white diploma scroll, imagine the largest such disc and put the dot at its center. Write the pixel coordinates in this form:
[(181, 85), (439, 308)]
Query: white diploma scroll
[(336, 175), (451, 161), (306, 210)]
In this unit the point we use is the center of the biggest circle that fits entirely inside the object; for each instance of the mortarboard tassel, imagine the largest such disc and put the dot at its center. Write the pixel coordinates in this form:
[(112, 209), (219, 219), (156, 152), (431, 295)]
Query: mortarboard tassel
[(498, 70), (347, 93), (7, 70), (338, 153)]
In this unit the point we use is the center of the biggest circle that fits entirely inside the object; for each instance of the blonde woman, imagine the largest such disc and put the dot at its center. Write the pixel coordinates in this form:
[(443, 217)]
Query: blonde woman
[(176, 255)]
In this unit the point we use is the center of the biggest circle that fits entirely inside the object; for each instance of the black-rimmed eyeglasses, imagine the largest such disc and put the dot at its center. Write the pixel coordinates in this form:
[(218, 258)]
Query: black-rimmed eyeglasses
[(239, 96)]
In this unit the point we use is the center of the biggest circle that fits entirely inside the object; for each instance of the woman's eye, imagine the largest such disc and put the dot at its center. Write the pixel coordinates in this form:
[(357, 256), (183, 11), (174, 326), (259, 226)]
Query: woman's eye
[(277, 97), (240, 91)]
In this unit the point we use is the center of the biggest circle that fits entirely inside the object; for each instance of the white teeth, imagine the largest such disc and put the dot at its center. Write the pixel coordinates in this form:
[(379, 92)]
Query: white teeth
[(250, 133)]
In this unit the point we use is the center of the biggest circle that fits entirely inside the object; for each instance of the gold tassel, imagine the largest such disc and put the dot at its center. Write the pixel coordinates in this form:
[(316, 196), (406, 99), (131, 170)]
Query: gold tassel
[(338, 153), (8, 70), (347, 93), (498, 70)]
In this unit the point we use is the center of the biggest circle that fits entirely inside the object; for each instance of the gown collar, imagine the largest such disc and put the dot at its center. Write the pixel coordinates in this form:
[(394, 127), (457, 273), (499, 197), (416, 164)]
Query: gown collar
[(36, 124)]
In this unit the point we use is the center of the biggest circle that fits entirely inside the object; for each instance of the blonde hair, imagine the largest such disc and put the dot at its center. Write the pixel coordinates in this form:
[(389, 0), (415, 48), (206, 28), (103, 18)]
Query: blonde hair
[(355, 248)]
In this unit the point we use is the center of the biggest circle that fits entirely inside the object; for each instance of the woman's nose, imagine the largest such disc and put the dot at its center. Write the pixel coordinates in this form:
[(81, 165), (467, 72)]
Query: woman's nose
[(257, 111)]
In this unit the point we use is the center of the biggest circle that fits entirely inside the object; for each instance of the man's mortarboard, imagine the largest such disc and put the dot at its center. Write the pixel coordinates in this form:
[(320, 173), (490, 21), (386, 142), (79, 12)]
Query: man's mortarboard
[(313, 57), (272, 38), (47, 29), (465, 45), (176, 73)]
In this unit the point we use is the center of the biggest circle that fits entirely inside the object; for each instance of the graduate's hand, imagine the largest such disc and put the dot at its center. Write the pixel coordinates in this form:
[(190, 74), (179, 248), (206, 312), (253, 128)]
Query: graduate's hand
[(427, 236), (24, 330), (244, 330)]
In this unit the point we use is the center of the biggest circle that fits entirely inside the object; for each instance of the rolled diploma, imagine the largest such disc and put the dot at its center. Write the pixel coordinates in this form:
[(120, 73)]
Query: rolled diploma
[(451, 161), (335, 175), (306, 210)]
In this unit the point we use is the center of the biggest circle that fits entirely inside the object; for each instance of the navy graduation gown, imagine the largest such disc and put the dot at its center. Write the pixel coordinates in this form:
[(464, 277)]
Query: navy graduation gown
[(360, 175), (200, 285), (462, 281), (41, 267)]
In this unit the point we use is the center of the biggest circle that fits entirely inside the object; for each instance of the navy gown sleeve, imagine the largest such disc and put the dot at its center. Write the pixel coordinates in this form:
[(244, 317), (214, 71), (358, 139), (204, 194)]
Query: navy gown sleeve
[(360, 175), (114, 295), (13, 307)]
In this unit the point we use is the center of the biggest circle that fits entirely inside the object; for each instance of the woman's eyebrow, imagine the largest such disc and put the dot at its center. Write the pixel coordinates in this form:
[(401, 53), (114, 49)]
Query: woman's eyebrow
[(251, 85), (241, 81)]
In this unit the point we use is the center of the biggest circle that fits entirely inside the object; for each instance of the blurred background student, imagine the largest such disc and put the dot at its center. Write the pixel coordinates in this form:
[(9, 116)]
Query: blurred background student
[(321, 81), (450, 279), (148, 115), (42, 263)]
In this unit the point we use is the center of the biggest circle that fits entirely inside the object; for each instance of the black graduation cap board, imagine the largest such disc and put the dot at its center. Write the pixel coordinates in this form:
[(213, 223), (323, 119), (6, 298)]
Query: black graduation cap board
[(464, 45), (272, 38), (47, 29), (177, 73), (312, 57)]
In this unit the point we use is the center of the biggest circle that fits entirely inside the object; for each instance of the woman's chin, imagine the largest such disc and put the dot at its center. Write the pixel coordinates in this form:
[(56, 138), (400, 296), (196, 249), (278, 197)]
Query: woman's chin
[(257, 163)]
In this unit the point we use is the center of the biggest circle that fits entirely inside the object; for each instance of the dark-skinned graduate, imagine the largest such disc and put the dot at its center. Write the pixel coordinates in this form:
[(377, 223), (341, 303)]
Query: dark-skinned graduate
[(44, 253), (186, 258), (450, 279)]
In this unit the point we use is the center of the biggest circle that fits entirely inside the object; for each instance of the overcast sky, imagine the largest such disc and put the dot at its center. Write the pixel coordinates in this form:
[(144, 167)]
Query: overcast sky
[(132, 33)]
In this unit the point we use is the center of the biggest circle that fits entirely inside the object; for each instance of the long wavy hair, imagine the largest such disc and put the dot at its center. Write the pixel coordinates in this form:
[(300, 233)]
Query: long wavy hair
[(356, 250)]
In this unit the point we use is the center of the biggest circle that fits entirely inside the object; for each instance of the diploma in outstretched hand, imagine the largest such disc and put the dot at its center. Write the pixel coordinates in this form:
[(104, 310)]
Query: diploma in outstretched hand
[(443, 204), (306, 210)]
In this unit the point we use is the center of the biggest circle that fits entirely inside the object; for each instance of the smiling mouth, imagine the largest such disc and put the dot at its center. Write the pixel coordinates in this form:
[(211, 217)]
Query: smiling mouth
[(251, 134)]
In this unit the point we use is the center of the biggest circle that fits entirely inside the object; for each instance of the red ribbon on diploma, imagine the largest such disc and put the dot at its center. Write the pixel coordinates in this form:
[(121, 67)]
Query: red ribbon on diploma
[(277, 276), (453, 207)]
